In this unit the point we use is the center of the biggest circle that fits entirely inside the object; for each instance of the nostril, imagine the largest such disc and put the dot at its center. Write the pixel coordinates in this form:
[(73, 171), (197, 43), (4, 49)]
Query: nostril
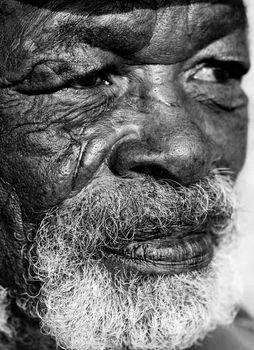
[(153, 170), (136, 160), (184, 160)]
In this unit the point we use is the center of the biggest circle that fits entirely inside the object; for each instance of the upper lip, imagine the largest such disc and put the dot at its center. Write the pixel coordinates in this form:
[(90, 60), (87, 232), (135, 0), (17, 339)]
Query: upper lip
[(154, 238)]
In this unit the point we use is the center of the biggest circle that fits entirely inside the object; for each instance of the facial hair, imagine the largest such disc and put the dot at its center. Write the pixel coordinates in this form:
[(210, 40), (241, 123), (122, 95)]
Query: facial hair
[(87, 307)]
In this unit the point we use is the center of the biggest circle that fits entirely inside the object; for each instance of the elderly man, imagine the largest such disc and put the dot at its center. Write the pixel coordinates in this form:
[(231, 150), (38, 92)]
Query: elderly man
[(123, 128)]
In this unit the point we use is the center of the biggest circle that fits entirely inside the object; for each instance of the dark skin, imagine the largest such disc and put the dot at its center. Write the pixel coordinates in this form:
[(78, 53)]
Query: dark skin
[(93, 89)]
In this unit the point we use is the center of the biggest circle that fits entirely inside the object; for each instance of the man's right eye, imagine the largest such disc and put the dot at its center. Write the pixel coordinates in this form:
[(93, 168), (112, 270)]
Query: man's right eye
[(46, 80), (90, 81)]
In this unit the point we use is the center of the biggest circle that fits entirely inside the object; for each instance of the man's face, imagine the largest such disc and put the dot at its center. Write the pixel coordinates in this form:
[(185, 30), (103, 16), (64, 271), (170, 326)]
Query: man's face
[(123, 126)]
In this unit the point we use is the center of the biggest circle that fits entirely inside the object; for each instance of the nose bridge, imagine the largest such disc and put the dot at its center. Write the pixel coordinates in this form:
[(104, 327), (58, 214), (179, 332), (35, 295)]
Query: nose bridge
[(169, 117), (161, 85)]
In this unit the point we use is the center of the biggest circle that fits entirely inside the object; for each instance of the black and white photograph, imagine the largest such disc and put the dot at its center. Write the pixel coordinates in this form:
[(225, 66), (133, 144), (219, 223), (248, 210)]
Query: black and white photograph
[(126, 175)]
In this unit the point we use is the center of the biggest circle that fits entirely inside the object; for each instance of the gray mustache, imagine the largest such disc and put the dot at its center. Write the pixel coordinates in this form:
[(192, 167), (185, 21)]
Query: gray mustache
[(114, 212)]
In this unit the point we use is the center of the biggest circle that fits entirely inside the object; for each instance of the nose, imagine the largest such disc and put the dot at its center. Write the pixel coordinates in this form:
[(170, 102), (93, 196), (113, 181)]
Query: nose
[(174, 151)]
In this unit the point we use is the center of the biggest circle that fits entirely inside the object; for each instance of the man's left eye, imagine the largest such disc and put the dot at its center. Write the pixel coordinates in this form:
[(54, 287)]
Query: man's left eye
[(219, 72), (212, 75)]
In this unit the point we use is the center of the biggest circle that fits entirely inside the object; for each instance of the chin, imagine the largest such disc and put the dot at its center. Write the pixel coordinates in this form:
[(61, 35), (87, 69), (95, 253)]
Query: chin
[(95, 308)]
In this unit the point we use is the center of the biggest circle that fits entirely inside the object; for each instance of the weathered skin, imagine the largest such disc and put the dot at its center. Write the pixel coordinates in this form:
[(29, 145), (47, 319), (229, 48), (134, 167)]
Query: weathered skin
[(95, 88)]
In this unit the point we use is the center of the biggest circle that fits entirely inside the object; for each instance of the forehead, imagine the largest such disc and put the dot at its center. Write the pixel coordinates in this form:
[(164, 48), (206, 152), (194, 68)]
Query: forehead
[(148, 31), (144, 29)]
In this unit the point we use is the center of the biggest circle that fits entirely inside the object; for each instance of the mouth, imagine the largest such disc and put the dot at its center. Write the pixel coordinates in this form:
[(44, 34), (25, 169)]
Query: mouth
[(165, 255)]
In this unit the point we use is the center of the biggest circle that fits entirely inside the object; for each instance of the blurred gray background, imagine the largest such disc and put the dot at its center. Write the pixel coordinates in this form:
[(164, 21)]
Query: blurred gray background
[(246, 187)]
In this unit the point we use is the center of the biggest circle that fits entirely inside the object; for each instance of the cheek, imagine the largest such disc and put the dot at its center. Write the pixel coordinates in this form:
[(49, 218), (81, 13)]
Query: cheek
[(229, 132), (36, 157), (41, 180)]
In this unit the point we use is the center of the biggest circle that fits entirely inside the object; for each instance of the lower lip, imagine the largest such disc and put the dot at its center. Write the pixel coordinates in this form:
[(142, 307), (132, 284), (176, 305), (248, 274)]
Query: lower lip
[(164, 256)]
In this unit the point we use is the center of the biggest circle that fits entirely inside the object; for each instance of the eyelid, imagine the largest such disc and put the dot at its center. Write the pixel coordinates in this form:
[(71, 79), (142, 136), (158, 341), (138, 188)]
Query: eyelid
[(228, 65), (235, 68), (49, 77), (103, 75)]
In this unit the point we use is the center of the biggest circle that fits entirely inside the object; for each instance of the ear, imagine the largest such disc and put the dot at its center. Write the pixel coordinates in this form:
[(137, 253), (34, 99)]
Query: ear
[(12, 238), (10, 209)]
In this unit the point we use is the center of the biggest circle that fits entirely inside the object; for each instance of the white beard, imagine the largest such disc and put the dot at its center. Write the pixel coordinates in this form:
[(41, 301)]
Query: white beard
[(89, 312), (85, 307)]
